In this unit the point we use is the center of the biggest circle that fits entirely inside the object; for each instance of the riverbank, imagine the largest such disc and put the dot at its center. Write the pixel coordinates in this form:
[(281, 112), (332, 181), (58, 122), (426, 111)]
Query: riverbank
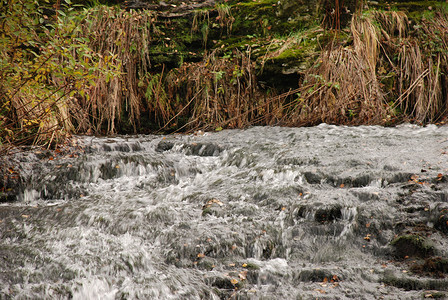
[(186, 66)]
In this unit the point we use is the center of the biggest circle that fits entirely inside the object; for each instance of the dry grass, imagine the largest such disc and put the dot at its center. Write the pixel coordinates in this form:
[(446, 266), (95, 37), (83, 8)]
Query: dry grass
[(342, 87), (218, 91), (345, 86), (341, 90), (122, 39), (424, 67)]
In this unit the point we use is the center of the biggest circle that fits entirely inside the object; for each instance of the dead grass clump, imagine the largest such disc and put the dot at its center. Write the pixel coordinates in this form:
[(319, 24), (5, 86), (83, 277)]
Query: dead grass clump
[(391, 23), (122, 39), (422, 66), (342, 88), (385, 76), (217, 92)]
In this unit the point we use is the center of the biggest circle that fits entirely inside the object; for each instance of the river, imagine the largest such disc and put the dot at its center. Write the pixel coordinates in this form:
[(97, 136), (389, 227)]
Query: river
[(260, 213)]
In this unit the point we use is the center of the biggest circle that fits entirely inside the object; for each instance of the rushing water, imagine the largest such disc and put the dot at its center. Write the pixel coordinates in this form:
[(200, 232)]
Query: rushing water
[(262, 213)]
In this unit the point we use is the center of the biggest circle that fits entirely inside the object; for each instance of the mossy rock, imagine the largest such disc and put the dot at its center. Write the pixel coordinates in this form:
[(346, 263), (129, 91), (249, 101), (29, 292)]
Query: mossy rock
[(433, 266), (251, 266), (441, 223), (224, 283), (411, 245), (409, 284), (316, 275)]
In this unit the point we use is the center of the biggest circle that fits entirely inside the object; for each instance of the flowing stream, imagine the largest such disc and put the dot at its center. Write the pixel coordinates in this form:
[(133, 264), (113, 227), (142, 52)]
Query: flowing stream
[(261, 213)]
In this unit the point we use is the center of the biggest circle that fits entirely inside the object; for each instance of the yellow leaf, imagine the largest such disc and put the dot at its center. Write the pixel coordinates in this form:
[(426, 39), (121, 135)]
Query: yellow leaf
[(234, 281)]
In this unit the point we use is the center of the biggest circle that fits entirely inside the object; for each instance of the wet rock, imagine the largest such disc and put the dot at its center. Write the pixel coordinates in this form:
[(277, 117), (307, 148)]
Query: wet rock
[(203, 149), (251, 266), (433, 266), (412, 245), (206, 264), (312, 178), (441, 223), (328, 214), (164, 145), (408, 284), (365, 196), (317, 275), (297, 161), (434, 295), (43, 154), (222, 282)]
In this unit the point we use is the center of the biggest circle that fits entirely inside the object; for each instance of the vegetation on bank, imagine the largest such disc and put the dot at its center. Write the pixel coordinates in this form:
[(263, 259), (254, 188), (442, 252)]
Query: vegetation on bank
[(70, 69)]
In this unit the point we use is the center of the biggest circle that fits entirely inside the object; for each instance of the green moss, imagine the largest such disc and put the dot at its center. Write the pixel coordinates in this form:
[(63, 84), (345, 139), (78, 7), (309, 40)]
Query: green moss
[(267, 17), (412, 246), (416, 10), (251, 266)]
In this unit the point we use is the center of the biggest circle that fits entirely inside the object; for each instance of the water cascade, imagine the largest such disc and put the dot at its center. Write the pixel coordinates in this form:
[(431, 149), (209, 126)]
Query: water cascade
[(326, 212)]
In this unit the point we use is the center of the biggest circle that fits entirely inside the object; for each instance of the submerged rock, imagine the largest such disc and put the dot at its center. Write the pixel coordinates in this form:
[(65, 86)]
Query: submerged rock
[(203, 149), (164, 145)]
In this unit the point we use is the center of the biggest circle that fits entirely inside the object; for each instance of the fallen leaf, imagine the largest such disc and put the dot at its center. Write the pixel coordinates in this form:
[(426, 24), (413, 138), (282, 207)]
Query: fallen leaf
[(201, 255), (25, 216), (242, 275), (234, 281)]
